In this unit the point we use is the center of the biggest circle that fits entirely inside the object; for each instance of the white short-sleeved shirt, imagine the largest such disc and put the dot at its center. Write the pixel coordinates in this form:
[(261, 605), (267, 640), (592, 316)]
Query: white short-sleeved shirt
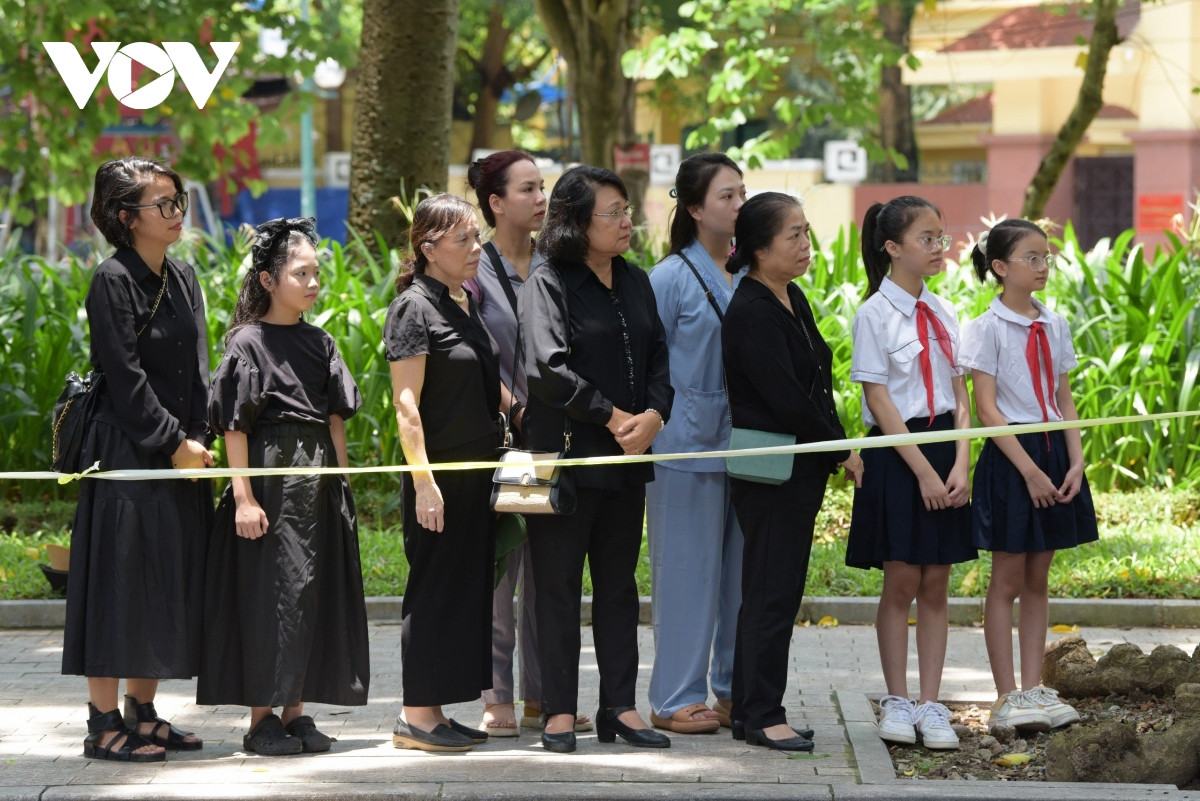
[(994, 343), (887, 351)]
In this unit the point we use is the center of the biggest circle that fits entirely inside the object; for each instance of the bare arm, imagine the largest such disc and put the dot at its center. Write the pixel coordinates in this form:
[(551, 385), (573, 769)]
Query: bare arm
[(1073, 481), (250, 521), (408, 378), (337, 432)]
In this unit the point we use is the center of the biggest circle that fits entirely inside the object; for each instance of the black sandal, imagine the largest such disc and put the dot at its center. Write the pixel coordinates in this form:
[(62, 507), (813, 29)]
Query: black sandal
[(305, 730), (175, 740), (122, 746)]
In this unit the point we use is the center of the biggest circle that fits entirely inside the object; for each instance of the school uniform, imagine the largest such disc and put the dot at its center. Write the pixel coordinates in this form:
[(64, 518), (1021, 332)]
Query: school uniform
[(1027, 358), (508, 618), (284, 617), (694, 537), (910, 345)]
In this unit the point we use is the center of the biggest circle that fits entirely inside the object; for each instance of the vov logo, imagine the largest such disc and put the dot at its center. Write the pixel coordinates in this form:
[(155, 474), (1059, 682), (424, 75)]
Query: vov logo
[(172, 57)]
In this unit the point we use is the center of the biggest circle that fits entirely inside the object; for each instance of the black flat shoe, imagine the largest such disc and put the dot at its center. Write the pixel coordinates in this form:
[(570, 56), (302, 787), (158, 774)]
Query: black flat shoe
[(442, 738), (475, 735), (313, 739), (270, 739), (738, 728), (609, 725), (561, 743), (756, 737)]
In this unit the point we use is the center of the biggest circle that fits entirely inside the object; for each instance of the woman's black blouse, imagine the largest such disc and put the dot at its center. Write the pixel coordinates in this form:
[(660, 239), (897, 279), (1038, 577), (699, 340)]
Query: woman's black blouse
[(460, 398), (156, 385), (612, 351), (777, 382)]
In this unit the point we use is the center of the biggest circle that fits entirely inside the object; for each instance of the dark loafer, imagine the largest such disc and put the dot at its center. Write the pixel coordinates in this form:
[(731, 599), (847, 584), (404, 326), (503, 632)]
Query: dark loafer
[(756, 737), (305, 730), (561, 743), (739, 731), (442, 738), (475, 735), (269, 739), (609, 725)]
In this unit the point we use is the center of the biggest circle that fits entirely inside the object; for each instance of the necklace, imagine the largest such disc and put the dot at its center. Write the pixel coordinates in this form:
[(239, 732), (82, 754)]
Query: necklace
[(461, 297)]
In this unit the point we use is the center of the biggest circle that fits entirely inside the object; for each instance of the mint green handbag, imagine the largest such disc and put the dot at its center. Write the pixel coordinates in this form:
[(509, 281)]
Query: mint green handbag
[(774, 468)]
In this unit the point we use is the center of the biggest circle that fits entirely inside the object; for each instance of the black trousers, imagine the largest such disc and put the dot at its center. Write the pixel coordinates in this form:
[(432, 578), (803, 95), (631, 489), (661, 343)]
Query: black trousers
[(606, 529), (777, 523)]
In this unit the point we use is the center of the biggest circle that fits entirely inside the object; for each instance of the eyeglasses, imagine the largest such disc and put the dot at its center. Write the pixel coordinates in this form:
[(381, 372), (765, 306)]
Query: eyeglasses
[(166, 207), (1039, 264), (626, 212), (934, 244)]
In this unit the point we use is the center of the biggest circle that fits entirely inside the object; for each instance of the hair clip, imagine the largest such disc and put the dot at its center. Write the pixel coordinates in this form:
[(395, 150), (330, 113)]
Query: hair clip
[(673, 192)]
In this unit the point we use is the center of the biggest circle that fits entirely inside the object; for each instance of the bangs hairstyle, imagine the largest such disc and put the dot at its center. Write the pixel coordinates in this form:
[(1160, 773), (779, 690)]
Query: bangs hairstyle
[(999, 243), (489, 176), (119, 187), (758, 223), (884, 222), (435, 217), (692, 182), (569, 213)]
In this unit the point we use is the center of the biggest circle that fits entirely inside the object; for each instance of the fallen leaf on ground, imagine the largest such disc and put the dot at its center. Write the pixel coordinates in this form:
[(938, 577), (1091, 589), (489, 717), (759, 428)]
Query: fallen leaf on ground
[(1063, 628), (1012, 760), (827, 622)]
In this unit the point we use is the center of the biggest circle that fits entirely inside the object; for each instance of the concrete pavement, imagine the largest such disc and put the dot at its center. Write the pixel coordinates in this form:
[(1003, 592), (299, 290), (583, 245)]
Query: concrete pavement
[(43, 722)]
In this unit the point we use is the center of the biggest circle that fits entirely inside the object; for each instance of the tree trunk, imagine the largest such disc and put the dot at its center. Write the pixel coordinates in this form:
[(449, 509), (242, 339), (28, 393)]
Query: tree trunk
[(592, 35), (492, 72), (895, 99), (402, 110), (1087, 105)]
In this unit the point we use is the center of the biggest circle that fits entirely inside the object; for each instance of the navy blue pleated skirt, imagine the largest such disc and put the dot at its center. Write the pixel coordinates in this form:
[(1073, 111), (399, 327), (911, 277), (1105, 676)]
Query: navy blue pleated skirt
[(890, 522), (1003, 515)]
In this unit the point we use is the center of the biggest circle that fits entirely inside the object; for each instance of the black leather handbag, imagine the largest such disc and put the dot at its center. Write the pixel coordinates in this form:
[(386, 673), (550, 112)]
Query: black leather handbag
[(72, 412)]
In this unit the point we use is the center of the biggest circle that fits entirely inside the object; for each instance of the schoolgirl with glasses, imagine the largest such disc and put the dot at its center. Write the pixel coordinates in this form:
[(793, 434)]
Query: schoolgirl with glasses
[(910, 516), (1031, 497)]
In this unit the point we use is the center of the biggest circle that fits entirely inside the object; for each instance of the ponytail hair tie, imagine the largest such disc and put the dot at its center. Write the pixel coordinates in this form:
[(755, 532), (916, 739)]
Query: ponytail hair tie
[(673, 192)]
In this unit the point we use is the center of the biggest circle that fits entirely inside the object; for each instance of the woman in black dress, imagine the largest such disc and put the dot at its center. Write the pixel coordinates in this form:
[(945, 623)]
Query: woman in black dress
[(777, 368), (596, 361), (284, 618), (137, 547), (448, 396)]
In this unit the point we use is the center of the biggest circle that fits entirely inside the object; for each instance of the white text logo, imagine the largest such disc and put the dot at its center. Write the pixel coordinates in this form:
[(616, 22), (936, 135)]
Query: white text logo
[(165, 60)]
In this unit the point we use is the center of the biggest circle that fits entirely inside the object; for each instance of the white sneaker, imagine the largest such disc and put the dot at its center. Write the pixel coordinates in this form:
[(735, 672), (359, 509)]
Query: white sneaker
[(896, 720), (932, 722), (1018, 710), (1060, 714)]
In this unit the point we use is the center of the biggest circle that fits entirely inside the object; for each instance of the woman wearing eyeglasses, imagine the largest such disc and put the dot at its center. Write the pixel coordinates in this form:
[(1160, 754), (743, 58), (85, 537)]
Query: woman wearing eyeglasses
[(595, 356), (137, 547)]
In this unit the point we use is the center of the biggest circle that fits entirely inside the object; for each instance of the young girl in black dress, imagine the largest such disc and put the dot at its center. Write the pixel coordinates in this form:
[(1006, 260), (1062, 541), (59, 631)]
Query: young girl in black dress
[(285, 621)]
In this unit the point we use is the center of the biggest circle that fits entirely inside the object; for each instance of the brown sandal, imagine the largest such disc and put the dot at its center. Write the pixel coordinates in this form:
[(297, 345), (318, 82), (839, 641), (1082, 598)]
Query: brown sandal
[(682, 723)]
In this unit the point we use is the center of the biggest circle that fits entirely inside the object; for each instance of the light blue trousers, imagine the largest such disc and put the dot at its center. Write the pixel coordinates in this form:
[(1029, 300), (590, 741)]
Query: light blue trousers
[(696, 564)]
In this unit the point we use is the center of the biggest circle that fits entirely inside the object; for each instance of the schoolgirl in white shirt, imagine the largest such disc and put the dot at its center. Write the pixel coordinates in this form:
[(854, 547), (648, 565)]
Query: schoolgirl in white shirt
[(911, 516), (1030, 494)]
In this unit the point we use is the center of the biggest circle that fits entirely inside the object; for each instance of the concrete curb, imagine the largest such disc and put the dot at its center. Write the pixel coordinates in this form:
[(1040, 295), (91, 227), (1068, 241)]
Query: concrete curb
[(879, 780), (1102, 613)]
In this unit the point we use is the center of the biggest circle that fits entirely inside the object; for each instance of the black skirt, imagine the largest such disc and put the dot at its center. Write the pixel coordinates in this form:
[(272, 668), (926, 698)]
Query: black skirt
[(446, 635), (1003, 515), (285, 621), (137, 567), (889, 522)]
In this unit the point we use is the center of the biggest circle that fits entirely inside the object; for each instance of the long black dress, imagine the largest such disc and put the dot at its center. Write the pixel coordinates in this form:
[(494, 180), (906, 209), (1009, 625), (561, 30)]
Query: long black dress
[(137, 547), (446, 640), (284, 617)]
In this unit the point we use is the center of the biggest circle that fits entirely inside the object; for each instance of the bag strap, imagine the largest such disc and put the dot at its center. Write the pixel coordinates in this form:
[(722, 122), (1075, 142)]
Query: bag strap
[(703, 285), (501, 275), (161, 290)]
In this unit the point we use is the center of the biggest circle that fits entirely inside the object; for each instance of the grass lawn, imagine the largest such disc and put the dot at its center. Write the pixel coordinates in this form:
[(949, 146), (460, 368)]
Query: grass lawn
[(1147, 549)]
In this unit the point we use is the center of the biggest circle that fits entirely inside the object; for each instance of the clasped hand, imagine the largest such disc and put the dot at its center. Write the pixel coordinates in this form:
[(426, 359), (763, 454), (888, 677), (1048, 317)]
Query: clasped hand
[(634, 432)]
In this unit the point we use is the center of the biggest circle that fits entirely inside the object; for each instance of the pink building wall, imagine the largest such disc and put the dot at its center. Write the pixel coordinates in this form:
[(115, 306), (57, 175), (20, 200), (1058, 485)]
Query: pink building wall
[(961, 204)]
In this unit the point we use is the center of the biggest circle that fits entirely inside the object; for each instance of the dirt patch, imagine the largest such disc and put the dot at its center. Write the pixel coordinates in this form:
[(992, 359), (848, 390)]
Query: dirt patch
[(1138, 713)]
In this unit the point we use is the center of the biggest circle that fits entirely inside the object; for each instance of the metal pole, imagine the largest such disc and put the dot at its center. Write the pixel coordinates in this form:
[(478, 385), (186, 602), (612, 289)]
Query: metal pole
[(308, 191)]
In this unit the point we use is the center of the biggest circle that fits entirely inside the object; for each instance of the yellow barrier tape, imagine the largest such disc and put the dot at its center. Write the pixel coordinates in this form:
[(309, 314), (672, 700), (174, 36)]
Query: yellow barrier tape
[(856, 443)]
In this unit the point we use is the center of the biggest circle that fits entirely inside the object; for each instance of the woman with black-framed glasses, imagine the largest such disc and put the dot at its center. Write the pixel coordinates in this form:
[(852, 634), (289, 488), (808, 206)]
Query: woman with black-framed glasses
[(137, 547)]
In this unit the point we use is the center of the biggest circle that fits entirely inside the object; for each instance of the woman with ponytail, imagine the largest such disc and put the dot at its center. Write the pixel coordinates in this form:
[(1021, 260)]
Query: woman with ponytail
[(910, 516)]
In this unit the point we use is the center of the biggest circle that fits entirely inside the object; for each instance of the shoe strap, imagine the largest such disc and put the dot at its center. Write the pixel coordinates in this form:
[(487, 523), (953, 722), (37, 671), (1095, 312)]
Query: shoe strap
[(107, 721)]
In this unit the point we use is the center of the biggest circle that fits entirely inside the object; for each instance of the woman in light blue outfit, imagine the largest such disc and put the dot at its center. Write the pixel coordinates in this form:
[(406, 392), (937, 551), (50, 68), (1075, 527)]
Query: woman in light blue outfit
[(695, 541)]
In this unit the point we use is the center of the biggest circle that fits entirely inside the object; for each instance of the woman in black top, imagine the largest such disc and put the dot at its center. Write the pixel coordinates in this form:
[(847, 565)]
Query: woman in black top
[(596, 361), (448, 395), (777, 368), (137, 547)]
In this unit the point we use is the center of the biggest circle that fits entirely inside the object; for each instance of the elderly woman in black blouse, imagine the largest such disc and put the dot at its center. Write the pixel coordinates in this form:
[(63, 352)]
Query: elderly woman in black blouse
[(596, 361), (777, 368), (447, 393)]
